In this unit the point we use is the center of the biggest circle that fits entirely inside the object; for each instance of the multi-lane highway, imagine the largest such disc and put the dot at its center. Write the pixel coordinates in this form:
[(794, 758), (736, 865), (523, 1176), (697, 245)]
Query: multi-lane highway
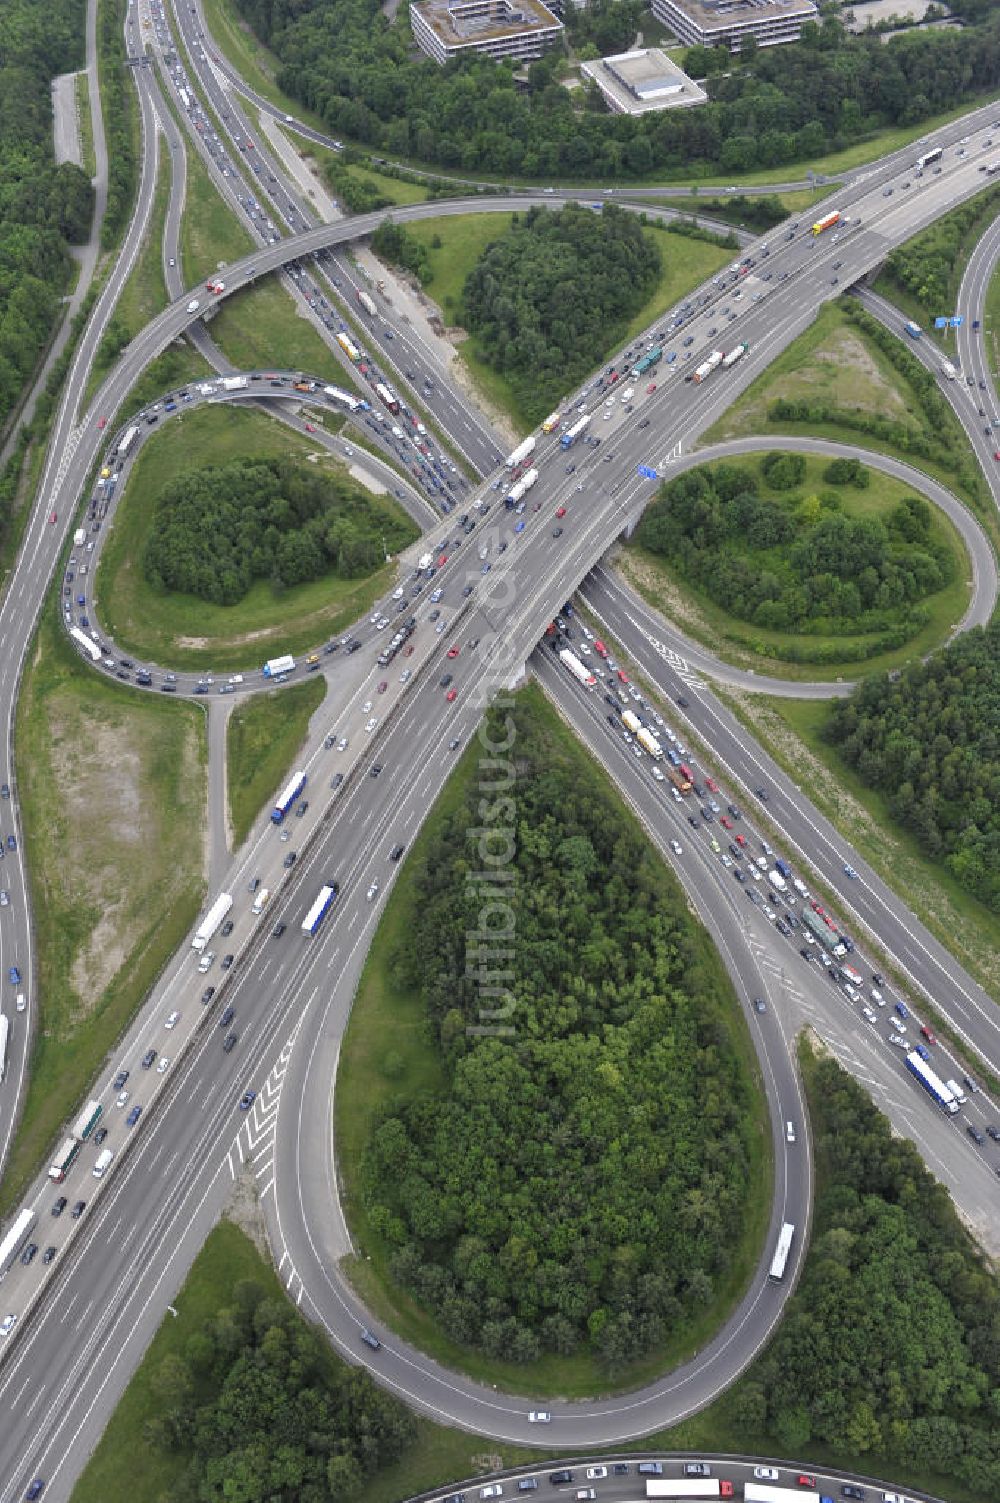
[(291, 994)]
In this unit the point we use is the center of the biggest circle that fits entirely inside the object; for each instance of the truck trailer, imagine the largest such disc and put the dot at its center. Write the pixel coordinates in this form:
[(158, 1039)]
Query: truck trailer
[(213, 918), (707, 367), (521, 453)]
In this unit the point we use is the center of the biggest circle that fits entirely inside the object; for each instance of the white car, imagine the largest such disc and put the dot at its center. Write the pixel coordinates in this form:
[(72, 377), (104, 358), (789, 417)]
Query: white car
[(676, 847), (163, 1066), (373, 893), (173, 1020), (870, 1014), (769, 1473), (122, 1098), (366, 708), (4, 897), (899, 1041), (539, 1417), (493, 1491), (7, 1324), (658, 774), (405, 676), (676, 795), (595, 1473), (398, 593), (371, 724), (440, 627), (342, 744)]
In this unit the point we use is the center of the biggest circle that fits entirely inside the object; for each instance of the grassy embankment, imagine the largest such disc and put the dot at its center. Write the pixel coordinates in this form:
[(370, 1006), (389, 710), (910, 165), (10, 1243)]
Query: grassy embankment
[(686, 263), (833, 362), (389, 1021), (180, 629), (264, 734), (111, 785), (747, 645)]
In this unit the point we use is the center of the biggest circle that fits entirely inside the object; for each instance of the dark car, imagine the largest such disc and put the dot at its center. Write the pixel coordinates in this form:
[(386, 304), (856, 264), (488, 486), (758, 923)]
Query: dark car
[(48, 1254), (208, 994), (336, 780), (100, 1135), (229, 1042), (278, 931), (119, 1081), (29, 1253), (149, 1059), (227, 1017), (290, 859), (396, 852), (761, 794), (37, 1487), (376, 768), (133, 1116), (759, 1004), (78, 1210), (560, 1479), (370, 1339), (227, 928), (227, 961), (850, 1491), (974, 1133), (59, 1206)]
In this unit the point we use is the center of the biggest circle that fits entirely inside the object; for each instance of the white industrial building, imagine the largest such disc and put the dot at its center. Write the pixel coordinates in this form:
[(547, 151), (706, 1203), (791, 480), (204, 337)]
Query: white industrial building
[(521, 29), (727, 23), (634, 83)]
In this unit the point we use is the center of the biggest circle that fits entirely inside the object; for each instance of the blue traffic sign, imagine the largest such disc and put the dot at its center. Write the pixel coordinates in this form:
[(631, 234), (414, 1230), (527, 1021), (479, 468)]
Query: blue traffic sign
[(940, 323)]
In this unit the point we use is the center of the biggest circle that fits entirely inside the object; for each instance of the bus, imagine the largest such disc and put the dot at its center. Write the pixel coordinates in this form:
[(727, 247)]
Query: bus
[(286, 798), (87, 1120), (318, 911), (927, 158), (68, 1151), (15, 1239), (85, 643), (690, 1487), (648, 361), (759, 1492), (784, 1247)]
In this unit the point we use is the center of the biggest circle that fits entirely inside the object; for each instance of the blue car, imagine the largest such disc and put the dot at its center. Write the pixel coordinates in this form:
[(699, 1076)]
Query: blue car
[(519, 526), (134, 1116), (247, 1100), (11, 843), (671, 356), (923, 1051), (902, 1009), (15, 976)]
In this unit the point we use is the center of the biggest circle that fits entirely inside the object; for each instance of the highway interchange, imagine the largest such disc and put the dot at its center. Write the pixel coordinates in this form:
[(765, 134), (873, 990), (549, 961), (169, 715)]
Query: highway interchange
[(292, 996)]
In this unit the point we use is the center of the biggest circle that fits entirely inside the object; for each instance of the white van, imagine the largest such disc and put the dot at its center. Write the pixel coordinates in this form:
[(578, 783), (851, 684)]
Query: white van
[(22, 1002), (104, 1159), (260, 901), (789, 1132)]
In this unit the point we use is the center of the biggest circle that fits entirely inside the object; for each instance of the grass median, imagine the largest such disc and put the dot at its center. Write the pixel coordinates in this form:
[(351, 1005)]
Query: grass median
[(112, 787), (388, 1058), (264, 734), (749, 646), (181, 630)]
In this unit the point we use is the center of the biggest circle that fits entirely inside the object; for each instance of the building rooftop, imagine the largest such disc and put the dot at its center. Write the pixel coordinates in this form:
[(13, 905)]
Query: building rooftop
[(635, 82), (719, 15), (456, 21)]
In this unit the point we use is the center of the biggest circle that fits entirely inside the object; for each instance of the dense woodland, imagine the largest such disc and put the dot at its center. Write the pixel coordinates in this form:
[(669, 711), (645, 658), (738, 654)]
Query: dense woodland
[(889, 1351), (582, 1183), (556, 286), (357, 70), (216, 530), (798, 561), (931, 743), (43, 208), (266, 1415)]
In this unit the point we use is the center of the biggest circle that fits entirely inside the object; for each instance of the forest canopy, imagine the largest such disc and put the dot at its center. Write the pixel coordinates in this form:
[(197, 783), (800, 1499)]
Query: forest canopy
[(216, 530), (357, 69), (544, 293), (890, 1347), (796, 560), (43, 208), (581, 1185), (930, 742)]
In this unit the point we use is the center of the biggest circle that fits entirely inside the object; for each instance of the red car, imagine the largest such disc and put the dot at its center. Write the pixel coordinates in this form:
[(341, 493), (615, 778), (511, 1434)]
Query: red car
[(310, 428), (560, 511), (102, 422), (451, 695), (442, 560), (454, 651), (600, 648), (997, 454), (651, 387), (712, 784), (622, 676), (54, 517), (741, 841), (726, 822), (928, 1033), (383, 686)]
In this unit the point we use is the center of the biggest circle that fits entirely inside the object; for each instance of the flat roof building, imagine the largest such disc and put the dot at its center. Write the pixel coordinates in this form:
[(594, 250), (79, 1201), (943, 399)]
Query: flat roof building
[(726, 23), (634, 83), (499, 28)]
